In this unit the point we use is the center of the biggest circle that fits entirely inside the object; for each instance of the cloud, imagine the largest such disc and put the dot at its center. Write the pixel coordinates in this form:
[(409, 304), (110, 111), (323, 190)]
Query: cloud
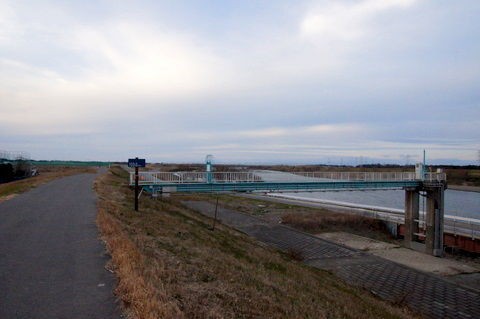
[(7, 22), (301, 82), (121, 66), (322, 131), (139, 58), (347, 21)]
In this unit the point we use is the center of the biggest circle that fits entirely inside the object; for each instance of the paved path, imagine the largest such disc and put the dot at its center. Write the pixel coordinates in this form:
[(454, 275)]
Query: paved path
[(51, 260), (428, 294)]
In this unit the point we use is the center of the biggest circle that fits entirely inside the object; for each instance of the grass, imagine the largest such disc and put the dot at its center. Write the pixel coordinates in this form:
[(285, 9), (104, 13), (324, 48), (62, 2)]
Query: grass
[(465, 177), (316, 223), (46, 174), (312, 220), (170, 265)]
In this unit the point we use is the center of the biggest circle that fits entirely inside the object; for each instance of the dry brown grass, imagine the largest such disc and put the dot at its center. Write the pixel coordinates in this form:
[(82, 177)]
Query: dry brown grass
[(170, 265), (464, 177), (312, 220), (47, 173), (320, 222), (316, 222), (140, 297)]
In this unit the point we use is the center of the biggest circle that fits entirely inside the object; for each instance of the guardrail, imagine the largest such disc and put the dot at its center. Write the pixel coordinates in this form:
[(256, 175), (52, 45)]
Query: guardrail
[(149, 178)]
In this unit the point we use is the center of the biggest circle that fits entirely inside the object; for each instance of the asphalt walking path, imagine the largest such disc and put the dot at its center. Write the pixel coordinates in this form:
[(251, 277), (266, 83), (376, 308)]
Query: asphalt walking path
[(427, 294), (52, 263)]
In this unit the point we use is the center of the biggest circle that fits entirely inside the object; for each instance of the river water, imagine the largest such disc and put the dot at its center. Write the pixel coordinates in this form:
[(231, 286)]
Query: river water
[(457, 203)]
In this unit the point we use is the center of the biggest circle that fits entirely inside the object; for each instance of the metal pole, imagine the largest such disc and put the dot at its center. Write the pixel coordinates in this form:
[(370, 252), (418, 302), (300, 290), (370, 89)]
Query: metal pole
[(215, 218), (424, 171), (136, 189)]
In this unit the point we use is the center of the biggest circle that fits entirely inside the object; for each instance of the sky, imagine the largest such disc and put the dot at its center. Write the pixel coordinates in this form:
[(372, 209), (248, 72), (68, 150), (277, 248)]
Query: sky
[(295, 82)]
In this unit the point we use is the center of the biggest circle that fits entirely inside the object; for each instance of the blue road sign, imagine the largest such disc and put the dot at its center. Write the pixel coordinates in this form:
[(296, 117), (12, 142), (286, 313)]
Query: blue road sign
[(136, 162)]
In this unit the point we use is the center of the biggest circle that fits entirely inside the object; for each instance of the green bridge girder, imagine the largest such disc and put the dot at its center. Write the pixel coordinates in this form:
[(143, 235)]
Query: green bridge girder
[(278, 186)]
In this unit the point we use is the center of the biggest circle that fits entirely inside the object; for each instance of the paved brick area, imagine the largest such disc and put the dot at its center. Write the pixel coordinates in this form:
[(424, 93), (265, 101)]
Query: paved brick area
[(427, 294)]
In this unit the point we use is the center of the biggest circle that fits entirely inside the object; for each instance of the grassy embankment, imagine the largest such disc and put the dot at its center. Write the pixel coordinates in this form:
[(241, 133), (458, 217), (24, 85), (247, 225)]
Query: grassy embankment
[(464, 179), (46, 174), (312, 220), (170, 265)]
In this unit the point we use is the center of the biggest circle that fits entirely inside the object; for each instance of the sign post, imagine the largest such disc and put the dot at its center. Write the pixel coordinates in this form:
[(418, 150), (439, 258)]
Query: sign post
[(136, 188), (136, 162)]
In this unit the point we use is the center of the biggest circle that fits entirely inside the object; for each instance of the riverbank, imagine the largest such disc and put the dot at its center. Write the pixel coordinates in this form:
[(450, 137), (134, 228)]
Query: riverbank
[(171, 264), (350, 226), (465, 188), (453, 225), (380, 276), (408, 257)]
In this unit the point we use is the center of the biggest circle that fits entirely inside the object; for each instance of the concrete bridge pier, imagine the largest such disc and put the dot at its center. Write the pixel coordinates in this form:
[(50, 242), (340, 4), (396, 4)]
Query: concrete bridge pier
[(432, 241), (434, 220), (412, 210)]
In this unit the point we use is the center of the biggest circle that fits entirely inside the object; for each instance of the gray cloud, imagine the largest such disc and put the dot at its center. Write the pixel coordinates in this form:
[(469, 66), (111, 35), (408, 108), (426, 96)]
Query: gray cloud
[(294, 82)]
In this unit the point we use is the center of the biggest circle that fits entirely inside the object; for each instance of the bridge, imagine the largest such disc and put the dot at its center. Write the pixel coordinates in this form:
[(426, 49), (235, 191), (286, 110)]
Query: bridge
[(427, 238), (273, 181)]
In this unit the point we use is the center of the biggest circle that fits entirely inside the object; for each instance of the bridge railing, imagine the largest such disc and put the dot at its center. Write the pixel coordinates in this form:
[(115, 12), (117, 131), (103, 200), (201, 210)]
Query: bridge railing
[(357, 176), (435, 177), (148, 178)]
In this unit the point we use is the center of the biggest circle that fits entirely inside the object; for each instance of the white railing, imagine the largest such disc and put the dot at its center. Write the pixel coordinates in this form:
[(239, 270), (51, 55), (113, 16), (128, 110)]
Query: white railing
[(371, 176), (148, 178), (357, 176), (435, 177)]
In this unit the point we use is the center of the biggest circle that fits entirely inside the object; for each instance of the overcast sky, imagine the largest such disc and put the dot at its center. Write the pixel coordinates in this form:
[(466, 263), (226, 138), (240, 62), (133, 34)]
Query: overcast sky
[(246, 81)]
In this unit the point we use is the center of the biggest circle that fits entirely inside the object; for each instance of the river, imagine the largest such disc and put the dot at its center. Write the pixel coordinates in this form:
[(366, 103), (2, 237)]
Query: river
[(457, 203)]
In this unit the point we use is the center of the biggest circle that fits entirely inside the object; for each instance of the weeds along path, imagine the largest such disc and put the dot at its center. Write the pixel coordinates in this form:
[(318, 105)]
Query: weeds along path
[(52, 263), (171, 265)]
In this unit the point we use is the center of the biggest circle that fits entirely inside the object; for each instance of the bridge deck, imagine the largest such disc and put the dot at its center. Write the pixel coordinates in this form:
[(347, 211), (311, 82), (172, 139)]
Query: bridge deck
[(271, 181), (279, 186)]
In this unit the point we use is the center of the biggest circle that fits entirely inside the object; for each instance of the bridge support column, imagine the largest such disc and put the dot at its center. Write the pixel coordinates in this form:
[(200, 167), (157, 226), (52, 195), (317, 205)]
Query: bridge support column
[(412, 208), (434, 220)]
